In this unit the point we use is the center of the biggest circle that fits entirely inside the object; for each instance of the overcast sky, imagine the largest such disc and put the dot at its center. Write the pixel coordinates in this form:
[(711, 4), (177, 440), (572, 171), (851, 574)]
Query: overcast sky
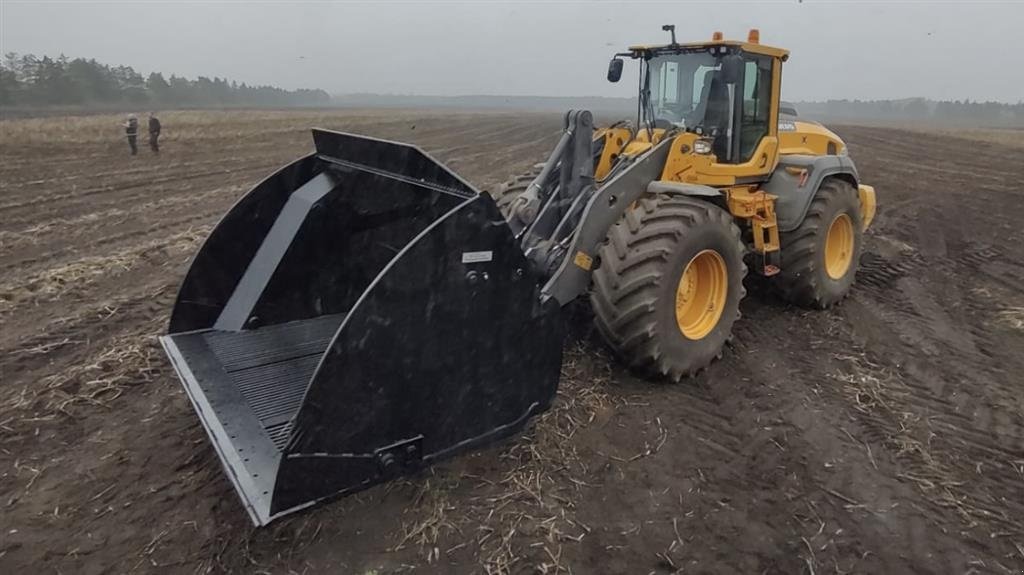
[(838, 50)]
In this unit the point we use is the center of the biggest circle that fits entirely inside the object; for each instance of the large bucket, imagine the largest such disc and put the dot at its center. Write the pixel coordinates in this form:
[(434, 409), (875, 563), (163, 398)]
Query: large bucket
[(359, 314)]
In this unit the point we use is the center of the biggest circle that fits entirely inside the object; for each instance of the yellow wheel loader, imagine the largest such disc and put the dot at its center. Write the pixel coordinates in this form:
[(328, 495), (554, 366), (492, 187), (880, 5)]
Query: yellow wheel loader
[(364, 312)]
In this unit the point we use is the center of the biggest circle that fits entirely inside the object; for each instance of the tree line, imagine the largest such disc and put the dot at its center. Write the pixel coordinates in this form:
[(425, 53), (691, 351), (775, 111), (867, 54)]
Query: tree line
[(30, 81), (967, 111)]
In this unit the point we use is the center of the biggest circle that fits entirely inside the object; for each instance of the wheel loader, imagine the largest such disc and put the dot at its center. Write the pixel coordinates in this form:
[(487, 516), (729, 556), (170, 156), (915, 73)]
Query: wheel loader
[(364, 311)]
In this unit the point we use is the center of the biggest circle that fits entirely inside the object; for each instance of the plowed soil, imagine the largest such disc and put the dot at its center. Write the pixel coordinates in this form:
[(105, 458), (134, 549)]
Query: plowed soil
[(883, 436)]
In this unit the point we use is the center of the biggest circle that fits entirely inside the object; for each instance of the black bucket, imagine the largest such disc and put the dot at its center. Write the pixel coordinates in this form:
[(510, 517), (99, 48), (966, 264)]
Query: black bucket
[(359, 314)]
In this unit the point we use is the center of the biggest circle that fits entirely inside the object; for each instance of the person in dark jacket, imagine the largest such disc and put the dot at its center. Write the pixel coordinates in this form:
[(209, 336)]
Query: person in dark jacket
[(154, 133), (131, 130)]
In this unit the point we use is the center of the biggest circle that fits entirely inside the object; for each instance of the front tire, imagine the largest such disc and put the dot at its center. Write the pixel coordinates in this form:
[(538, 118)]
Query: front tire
[(669, 284), (820, 257)]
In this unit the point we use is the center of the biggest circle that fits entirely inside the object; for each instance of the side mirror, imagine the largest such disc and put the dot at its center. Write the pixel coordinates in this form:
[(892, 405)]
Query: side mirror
[(732, 69), (615, 69)]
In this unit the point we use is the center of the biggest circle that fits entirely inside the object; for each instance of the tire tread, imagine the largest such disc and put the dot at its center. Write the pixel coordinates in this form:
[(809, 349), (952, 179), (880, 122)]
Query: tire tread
[(626, 284)]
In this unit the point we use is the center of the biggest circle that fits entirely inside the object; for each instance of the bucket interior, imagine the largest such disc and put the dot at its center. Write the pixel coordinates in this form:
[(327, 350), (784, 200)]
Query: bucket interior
[(270, 367), (344, 242)]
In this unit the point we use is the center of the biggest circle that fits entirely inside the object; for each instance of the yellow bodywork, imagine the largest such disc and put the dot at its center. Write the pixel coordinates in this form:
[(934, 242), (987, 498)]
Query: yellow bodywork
[(618, 142), (808, 138), (868, 206), (684, 166), (614, 140), (740, 183), (757, 206)]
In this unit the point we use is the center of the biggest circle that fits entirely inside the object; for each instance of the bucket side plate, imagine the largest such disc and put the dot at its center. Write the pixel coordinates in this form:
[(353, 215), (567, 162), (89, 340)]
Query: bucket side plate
[(449, 349)]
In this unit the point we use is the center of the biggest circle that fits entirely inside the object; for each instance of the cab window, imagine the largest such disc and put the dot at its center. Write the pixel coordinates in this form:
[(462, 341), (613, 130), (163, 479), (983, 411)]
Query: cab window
[(757, 102), (669, 83)]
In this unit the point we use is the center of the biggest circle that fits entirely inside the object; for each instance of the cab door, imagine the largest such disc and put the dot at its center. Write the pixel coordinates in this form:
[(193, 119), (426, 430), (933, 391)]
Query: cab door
[(751, 151)]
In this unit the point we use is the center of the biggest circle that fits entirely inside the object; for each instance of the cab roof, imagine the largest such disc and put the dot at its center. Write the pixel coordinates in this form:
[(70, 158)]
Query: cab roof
[(754, 48)]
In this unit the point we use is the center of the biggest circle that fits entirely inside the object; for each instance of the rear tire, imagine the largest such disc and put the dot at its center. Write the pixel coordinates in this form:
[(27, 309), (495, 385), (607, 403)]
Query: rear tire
[(507, 192), (820, 257), (655, 321)]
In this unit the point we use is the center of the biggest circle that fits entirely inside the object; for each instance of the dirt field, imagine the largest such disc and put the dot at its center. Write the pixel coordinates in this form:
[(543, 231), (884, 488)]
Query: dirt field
[(884, 436)]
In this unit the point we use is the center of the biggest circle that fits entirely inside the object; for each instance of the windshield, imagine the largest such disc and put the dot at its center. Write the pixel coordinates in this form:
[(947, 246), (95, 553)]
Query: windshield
[(682, 86), (726, 97)]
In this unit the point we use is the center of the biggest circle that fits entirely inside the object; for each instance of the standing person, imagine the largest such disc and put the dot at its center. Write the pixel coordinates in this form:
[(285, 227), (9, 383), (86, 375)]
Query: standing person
[(154, 133), (131, 130)]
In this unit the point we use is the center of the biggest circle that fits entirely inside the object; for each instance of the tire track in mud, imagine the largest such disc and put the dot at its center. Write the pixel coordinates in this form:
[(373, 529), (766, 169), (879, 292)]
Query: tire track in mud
[(937, 414), (787, 354), (931, 450), (707, 418), (932, 420)]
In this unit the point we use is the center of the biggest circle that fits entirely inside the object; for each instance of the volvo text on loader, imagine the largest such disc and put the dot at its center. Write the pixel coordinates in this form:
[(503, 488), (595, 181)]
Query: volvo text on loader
[(365, 312)]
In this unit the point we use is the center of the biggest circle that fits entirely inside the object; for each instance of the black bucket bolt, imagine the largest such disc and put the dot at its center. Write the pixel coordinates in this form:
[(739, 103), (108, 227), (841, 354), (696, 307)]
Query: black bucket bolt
[(399, 458)]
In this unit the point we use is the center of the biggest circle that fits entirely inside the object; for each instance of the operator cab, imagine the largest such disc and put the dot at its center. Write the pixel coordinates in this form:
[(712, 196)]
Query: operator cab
[(724, 91)]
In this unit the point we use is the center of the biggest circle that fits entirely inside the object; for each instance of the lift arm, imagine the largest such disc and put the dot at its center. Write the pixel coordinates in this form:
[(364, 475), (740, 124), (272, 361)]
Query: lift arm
[(564, 217)]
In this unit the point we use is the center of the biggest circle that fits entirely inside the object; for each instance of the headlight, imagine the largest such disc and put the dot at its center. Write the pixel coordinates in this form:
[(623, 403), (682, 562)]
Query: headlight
[(702, 147), (844, 151)]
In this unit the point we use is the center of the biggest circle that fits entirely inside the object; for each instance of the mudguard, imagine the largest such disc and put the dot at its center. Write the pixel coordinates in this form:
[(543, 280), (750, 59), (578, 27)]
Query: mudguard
[(796, 190)]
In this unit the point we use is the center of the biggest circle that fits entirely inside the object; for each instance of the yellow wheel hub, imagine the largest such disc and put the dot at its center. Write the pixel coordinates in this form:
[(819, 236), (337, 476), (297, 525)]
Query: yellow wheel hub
[(839, 247), (701, 294)]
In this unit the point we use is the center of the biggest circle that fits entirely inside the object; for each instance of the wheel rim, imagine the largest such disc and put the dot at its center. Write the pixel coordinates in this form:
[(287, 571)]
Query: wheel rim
[(839, 247), (701, 294)]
